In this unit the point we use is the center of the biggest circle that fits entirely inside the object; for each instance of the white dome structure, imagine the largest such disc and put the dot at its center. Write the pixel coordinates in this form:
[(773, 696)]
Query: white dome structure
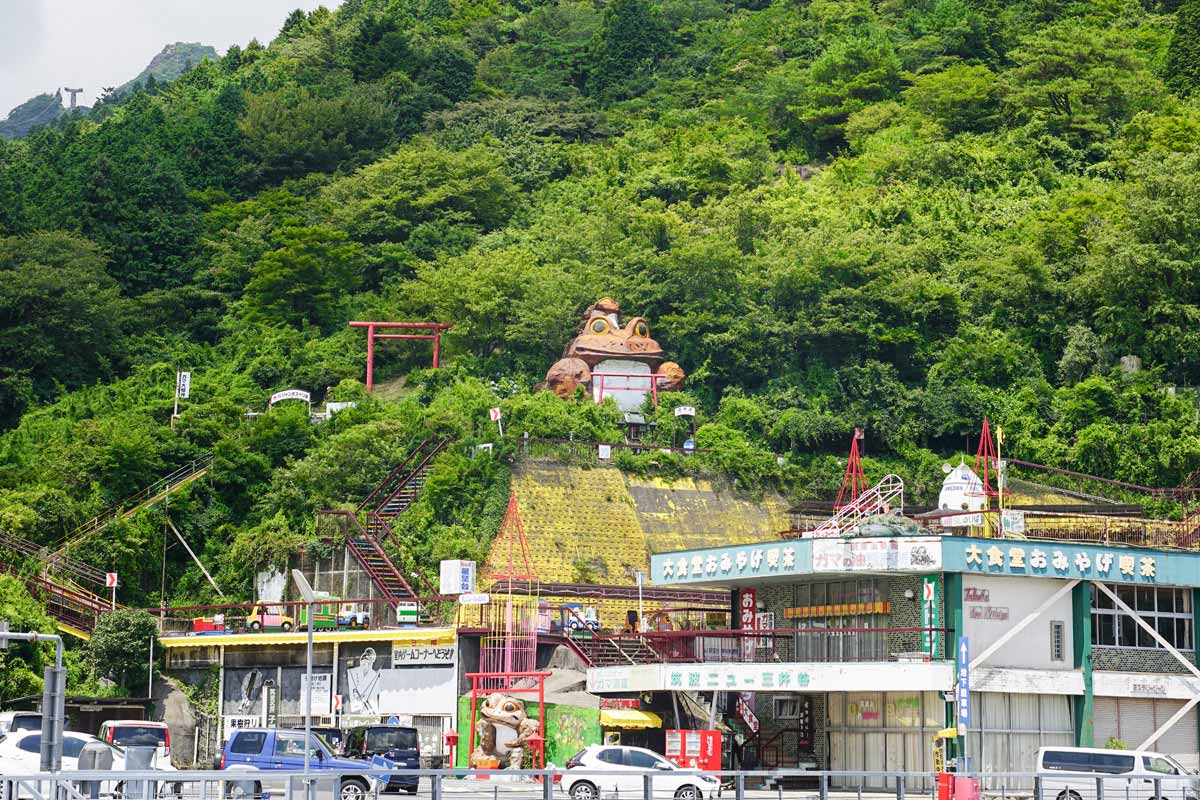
[(961, 491)]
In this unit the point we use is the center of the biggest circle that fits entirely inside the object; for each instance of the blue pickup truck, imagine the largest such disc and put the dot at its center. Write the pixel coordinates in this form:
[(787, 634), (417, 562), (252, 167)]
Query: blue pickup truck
[(266, 749)]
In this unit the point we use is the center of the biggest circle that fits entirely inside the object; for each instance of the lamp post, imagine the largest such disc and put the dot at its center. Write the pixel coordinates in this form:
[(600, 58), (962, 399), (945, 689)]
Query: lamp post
[(306, 592), (53, 696)]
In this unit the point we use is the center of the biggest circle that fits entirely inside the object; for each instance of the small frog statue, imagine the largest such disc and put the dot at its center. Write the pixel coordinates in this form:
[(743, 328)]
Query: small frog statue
[(502, 731)]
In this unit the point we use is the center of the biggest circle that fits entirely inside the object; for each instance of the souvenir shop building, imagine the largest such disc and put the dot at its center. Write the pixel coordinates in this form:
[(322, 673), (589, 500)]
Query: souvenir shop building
[(409, 675), (846, 654)]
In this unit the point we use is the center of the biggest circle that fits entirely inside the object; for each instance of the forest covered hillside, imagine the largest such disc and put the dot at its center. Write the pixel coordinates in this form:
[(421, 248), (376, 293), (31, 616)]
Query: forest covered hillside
[(901, 215)]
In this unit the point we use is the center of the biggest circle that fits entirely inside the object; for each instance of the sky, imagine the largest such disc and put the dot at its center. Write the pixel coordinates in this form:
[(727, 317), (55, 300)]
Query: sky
[(47, 44)]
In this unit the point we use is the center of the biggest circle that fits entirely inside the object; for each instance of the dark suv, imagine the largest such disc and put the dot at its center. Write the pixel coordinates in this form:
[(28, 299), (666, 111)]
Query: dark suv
[(387, 747)]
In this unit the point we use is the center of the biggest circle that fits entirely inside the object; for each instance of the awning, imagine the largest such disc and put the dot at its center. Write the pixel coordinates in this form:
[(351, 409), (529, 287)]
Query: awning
[(404, 636), (629, 719)]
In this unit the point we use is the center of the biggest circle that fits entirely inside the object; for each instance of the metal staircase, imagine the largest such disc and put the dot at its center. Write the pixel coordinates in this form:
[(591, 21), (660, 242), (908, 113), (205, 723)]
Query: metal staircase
[(147, 497), (400, 488), (367, 550), (392, 497), (882, 498)]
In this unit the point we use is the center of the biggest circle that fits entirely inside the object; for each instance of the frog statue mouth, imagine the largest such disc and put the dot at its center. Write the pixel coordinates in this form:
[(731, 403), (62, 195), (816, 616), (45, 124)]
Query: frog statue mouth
[(600, 338)]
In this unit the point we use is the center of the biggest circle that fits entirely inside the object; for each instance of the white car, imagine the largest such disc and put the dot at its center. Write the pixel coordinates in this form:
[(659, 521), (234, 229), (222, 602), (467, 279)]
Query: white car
[(126, 732), (20, 754), (617, 770)]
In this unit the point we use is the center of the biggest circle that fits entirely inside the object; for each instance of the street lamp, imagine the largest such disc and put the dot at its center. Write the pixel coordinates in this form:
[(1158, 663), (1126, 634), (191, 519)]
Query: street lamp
[(306, 591), (53, 696)]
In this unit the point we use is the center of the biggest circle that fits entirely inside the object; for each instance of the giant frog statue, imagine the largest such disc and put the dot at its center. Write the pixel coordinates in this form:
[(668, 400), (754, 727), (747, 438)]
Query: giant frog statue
[(502, 731), (608, 358)]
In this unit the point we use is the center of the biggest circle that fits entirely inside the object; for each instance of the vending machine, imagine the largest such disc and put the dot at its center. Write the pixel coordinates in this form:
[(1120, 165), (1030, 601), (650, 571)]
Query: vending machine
[(694, 749)]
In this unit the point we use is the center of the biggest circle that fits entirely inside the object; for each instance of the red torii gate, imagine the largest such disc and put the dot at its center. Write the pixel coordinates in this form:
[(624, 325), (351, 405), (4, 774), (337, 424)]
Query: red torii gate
[(436, 336)]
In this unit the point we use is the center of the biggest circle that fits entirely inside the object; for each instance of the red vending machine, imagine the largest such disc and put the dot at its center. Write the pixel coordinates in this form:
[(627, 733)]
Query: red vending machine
[(694, 749)]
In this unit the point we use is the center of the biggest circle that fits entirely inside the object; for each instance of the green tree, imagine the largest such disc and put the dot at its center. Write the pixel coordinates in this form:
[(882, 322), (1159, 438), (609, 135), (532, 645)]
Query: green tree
[(60, 319), (963, 97), (1183, 54), (304, 279), (1078, 82), (631, 40), (120, 648), (851, 74)]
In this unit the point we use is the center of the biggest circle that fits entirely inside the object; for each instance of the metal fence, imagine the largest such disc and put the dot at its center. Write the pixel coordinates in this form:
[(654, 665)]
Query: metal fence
[(589, 784)]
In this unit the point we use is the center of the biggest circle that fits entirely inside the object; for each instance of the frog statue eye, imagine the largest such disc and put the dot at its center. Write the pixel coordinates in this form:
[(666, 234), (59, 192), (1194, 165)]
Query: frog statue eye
[(641, 329), (599, 325)]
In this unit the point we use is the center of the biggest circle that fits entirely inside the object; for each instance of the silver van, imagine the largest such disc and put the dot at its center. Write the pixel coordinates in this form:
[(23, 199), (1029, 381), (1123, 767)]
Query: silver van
[(1085, 773)]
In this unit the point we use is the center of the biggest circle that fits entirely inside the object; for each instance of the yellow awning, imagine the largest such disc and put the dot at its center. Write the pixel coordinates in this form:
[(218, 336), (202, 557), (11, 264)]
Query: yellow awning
[(413, 636), (629, 718)]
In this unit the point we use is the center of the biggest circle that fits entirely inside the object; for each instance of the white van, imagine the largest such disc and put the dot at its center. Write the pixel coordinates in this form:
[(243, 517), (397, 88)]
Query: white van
[(1080, 773)]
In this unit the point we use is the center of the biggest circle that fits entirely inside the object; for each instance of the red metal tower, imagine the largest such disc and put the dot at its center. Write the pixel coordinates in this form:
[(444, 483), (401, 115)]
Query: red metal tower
[(854, 481), (986, 463)]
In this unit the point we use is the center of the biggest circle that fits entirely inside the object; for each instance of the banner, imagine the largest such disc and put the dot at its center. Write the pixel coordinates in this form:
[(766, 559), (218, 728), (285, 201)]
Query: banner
[(749, 621), (290, 394), (183, 385)]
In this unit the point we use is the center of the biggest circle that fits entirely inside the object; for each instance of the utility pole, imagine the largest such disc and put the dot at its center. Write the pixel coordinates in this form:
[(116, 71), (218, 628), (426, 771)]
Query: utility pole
[(309, 596), (53, 696)]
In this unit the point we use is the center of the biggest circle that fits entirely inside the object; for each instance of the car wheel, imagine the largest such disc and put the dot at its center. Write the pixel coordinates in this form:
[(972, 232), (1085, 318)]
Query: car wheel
[(1068, 795), (256, 626), (353, 789), (287, 626), (583, 790), (687, 793)]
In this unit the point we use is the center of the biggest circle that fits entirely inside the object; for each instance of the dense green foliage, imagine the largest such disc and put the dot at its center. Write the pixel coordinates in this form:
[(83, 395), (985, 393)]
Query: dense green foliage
[(900, 215)]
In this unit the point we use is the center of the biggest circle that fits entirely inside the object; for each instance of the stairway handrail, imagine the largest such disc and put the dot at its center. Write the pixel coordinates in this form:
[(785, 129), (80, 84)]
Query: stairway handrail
[(353, 517), (101, 520), (391, 475), (438, 446)]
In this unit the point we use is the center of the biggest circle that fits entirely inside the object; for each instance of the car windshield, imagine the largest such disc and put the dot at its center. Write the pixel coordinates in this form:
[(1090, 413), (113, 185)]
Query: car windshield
[(1182, 770), (139, 735), (380, 739)]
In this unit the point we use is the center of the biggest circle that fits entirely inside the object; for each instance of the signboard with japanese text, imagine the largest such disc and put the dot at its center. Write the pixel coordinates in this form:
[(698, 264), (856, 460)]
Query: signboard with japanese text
[(723, 563), (930, 617), (412, 655), (772, 677), (877, 554), (322, 692), (805, 726), (748, 603), (749, 563), (183, 385), (747, 716), (1012, 521), (456, 576), (290, 394), (1062, 560)]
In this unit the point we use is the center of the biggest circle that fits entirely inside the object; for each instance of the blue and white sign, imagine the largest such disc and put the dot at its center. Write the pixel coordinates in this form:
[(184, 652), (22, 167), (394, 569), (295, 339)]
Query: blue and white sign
[(393, 720), (457, 577), (963, 695), (1067, 560)]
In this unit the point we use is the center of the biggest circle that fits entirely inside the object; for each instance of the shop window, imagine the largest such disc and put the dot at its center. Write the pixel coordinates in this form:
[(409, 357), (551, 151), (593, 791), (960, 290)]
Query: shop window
[(1058, 645), (1167, 610)]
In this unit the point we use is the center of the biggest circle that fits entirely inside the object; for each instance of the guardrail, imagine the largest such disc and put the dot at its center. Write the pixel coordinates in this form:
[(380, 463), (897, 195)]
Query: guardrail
[(666, 783)]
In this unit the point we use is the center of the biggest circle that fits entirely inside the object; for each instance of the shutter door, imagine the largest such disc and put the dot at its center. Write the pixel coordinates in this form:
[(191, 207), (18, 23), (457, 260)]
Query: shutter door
[(1180, 741), (1104, 719), (1138, 720)]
